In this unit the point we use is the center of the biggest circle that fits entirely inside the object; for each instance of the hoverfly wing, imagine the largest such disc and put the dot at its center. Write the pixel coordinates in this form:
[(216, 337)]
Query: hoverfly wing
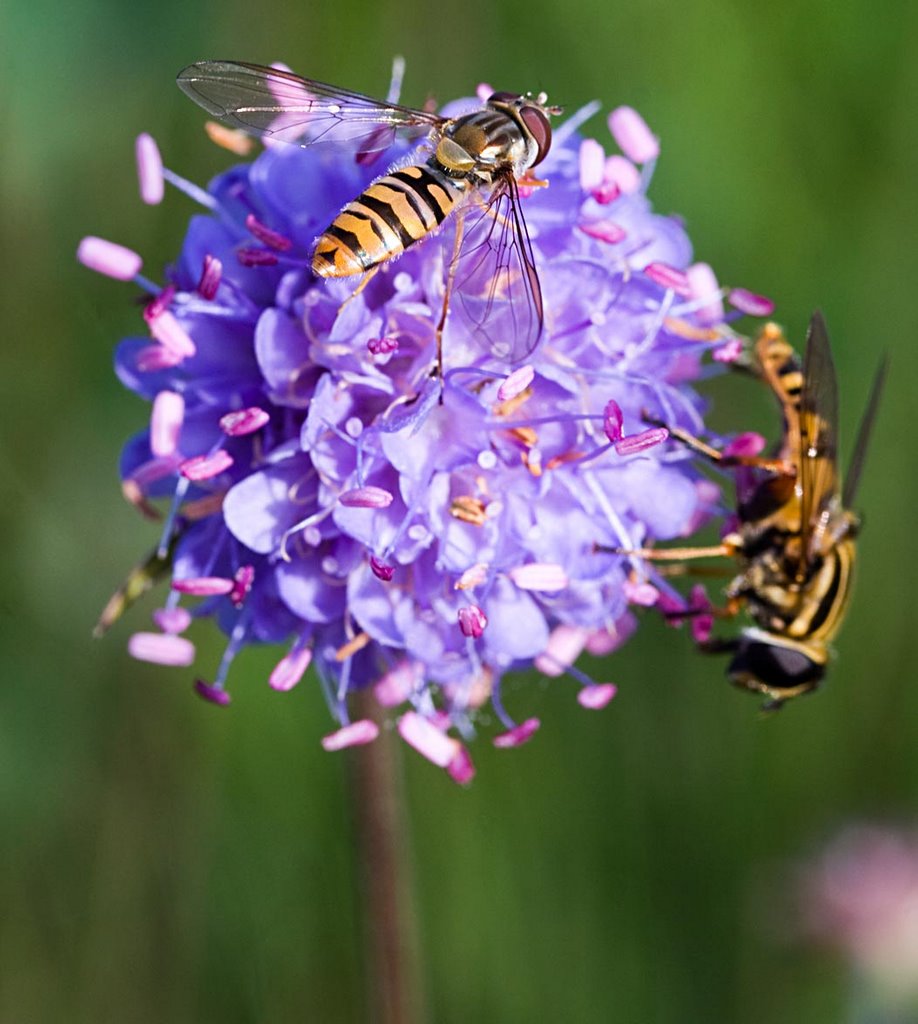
[(496, 278), (853, 476), (817, 474), (276, 104)]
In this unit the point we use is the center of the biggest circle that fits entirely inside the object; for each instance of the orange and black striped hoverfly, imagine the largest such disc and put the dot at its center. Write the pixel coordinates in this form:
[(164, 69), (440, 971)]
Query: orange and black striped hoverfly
[(795, 531), (477, 163)]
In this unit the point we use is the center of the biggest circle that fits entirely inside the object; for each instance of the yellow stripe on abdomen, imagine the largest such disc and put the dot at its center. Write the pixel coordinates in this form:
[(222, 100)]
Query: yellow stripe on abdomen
[(393, 213)]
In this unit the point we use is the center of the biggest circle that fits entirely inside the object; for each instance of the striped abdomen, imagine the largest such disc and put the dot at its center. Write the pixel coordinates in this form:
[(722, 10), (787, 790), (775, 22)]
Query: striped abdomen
[(783, 372), (396, 211), (814, 612)]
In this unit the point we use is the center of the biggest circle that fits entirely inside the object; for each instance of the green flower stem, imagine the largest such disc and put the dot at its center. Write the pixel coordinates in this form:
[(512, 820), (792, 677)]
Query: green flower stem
[(393, 966)]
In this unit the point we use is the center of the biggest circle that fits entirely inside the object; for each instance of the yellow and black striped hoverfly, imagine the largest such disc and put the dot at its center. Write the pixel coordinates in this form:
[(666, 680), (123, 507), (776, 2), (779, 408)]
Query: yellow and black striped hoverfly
[(477, 163), (795, 532)]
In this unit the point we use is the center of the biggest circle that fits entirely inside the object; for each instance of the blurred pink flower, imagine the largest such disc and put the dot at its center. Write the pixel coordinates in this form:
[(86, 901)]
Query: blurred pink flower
[(860, 895)]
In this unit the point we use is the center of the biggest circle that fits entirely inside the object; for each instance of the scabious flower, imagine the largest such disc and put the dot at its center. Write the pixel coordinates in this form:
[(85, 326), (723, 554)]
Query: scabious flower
[(419, 537)]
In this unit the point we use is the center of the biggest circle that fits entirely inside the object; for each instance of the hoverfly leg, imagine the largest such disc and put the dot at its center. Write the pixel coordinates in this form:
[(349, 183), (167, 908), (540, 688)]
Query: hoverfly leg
[(722, 550), (718, 645), (780, 467), (689, 440), (447, 291), (527, 181), (685, 569), (364, 281), (729, 611)]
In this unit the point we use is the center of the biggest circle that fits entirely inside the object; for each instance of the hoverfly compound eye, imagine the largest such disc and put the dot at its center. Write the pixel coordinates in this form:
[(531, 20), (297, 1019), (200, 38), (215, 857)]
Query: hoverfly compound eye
[(777, 667), (538, 126)]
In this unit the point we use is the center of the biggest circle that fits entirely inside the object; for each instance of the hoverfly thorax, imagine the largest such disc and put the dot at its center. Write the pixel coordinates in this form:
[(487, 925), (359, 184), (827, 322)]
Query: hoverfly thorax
[(511, 133)]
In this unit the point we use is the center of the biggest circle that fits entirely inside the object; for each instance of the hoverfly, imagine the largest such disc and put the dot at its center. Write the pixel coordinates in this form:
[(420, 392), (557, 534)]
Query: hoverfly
[(795, 534), (478, 161)]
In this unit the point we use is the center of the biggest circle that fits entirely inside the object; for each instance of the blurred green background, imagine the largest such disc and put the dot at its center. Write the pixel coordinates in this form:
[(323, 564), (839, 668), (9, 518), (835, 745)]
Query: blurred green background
[(162, 860)]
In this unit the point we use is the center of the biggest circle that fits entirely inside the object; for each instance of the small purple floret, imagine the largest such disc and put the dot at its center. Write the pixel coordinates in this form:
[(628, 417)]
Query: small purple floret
[(515, 383), (149, 169), (354, 735), (242, 584), (472, 621), (461, 769), (633, 136), (172, 620), (604, 231), (750, 303), (290, 669), (669, 277), (729, 352), (702, 619), (641, 593), (597, 696), (159, 303), (168, 331), (427, 739), (203, 586), (546, 576), (204, 467), (212, 694), (161, 648), (612, 421), (564, 647), (518, 735), (607, 192), (381, 570), (621, 175), (640, 442), (746, 445), (209, 281), (273, 239), (109, 258), (592, 161), (166, 422), (703, 287), (398, 684), (366, 497), (156, 357), (245, 421), (382, 346), (251, 257)]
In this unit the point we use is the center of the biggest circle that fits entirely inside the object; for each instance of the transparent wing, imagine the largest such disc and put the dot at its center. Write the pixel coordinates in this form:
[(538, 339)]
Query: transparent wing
[(853, 476), (817, 477), (279, 105), (497, 284)]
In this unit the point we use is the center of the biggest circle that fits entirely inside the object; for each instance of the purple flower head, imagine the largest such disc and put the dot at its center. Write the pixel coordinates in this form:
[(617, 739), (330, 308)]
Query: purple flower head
[(419, 536)]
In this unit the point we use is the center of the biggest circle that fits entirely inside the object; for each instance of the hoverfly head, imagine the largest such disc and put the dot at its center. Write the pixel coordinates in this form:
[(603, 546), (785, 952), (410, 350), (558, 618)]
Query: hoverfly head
[(776, 668), (532, 114)]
